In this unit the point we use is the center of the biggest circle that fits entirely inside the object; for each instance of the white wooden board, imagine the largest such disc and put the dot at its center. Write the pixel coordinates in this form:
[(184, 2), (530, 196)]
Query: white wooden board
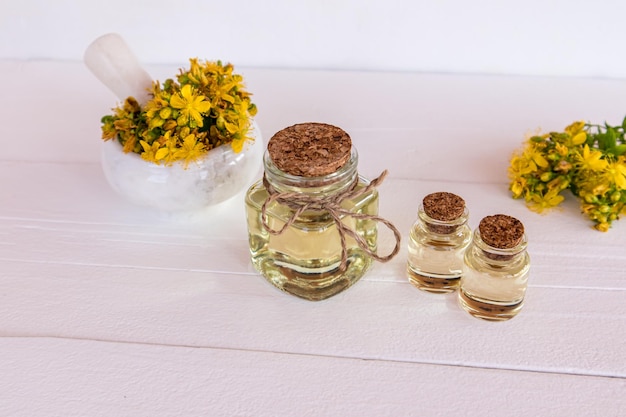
[(111, 309)]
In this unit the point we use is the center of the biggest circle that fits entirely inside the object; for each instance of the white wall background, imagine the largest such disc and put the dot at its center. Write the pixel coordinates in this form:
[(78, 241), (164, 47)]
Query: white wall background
[(529, 37)]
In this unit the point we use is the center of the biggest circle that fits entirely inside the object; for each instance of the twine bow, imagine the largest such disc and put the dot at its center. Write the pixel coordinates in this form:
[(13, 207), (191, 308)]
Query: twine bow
[(300, 202)]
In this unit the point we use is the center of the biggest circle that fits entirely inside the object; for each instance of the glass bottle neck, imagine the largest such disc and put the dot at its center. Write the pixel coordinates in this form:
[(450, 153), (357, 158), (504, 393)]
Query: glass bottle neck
[(442, 227), (337, 181)]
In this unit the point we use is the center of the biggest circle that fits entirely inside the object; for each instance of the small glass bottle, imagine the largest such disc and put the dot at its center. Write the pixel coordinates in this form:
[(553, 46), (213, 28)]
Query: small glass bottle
[(495, 274), (312, 220), (437, 242)]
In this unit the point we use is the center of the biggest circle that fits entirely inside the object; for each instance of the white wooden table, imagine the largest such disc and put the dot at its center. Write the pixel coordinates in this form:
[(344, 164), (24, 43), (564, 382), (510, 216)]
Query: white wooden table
[(108, 309)]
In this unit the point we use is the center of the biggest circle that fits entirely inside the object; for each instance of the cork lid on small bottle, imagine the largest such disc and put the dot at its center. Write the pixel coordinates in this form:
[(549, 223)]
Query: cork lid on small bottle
[(310, 149), (501, 231), (443, 206)]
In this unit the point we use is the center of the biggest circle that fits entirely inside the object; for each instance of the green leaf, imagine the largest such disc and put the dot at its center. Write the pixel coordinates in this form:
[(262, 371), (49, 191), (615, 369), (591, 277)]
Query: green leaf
[(620, 150), (611, 139), (601, 138)]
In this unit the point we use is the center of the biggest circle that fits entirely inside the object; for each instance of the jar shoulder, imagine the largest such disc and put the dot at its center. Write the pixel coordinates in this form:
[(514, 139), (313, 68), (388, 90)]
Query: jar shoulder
[(477, 260), (257, 194), (421, 236)]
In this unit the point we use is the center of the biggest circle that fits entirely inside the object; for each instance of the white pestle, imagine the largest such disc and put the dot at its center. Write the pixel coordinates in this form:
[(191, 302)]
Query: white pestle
[(110, 59)]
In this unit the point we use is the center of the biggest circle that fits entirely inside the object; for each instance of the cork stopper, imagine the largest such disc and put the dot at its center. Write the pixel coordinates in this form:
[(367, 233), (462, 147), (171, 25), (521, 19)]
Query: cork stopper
[(443, 206), (310, 149), (501, 231)]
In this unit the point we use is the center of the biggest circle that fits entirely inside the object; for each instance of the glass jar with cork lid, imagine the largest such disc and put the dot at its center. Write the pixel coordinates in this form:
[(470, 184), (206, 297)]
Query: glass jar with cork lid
[(437, 243), (312, 219), (495, 273)]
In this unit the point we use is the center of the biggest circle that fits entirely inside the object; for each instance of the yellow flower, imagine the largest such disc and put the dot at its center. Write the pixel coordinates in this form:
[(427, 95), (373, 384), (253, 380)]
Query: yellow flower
[(131, 105), (558, 184), (536, 156), (518, 186), (237, 144), (603, 227), (129, 145), (563, 166), (171, 145), (592, 160), (575, 128), (578, 139), (561, 149), (170, 124), (181, 107), (539, 203), (617, 173), (222, 92), (123, 124), (575, 134), (108, 128), (153, 153), (190, 105), (154, 106), (195, 73), (155, 122), (190, 149), (524, 164), (589, 160), (600, 189)]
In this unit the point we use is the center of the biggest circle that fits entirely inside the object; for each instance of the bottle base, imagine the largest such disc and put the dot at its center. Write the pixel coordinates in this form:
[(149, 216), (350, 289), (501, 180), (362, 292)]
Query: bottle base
[(491, 311), (311, 284), (437, 285)]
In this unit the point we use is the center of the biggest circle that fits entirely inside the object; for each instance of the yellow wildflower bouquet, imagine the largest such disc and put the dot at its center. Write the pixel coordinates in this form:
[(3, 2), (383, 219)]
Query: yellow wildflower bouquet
[(589, 160), (205, 107)]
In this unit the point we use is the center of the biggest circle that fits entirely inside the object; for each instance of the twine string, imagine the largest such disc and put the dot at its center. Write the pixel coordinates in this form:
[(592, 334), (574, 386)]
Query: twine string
[(300, 202)]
